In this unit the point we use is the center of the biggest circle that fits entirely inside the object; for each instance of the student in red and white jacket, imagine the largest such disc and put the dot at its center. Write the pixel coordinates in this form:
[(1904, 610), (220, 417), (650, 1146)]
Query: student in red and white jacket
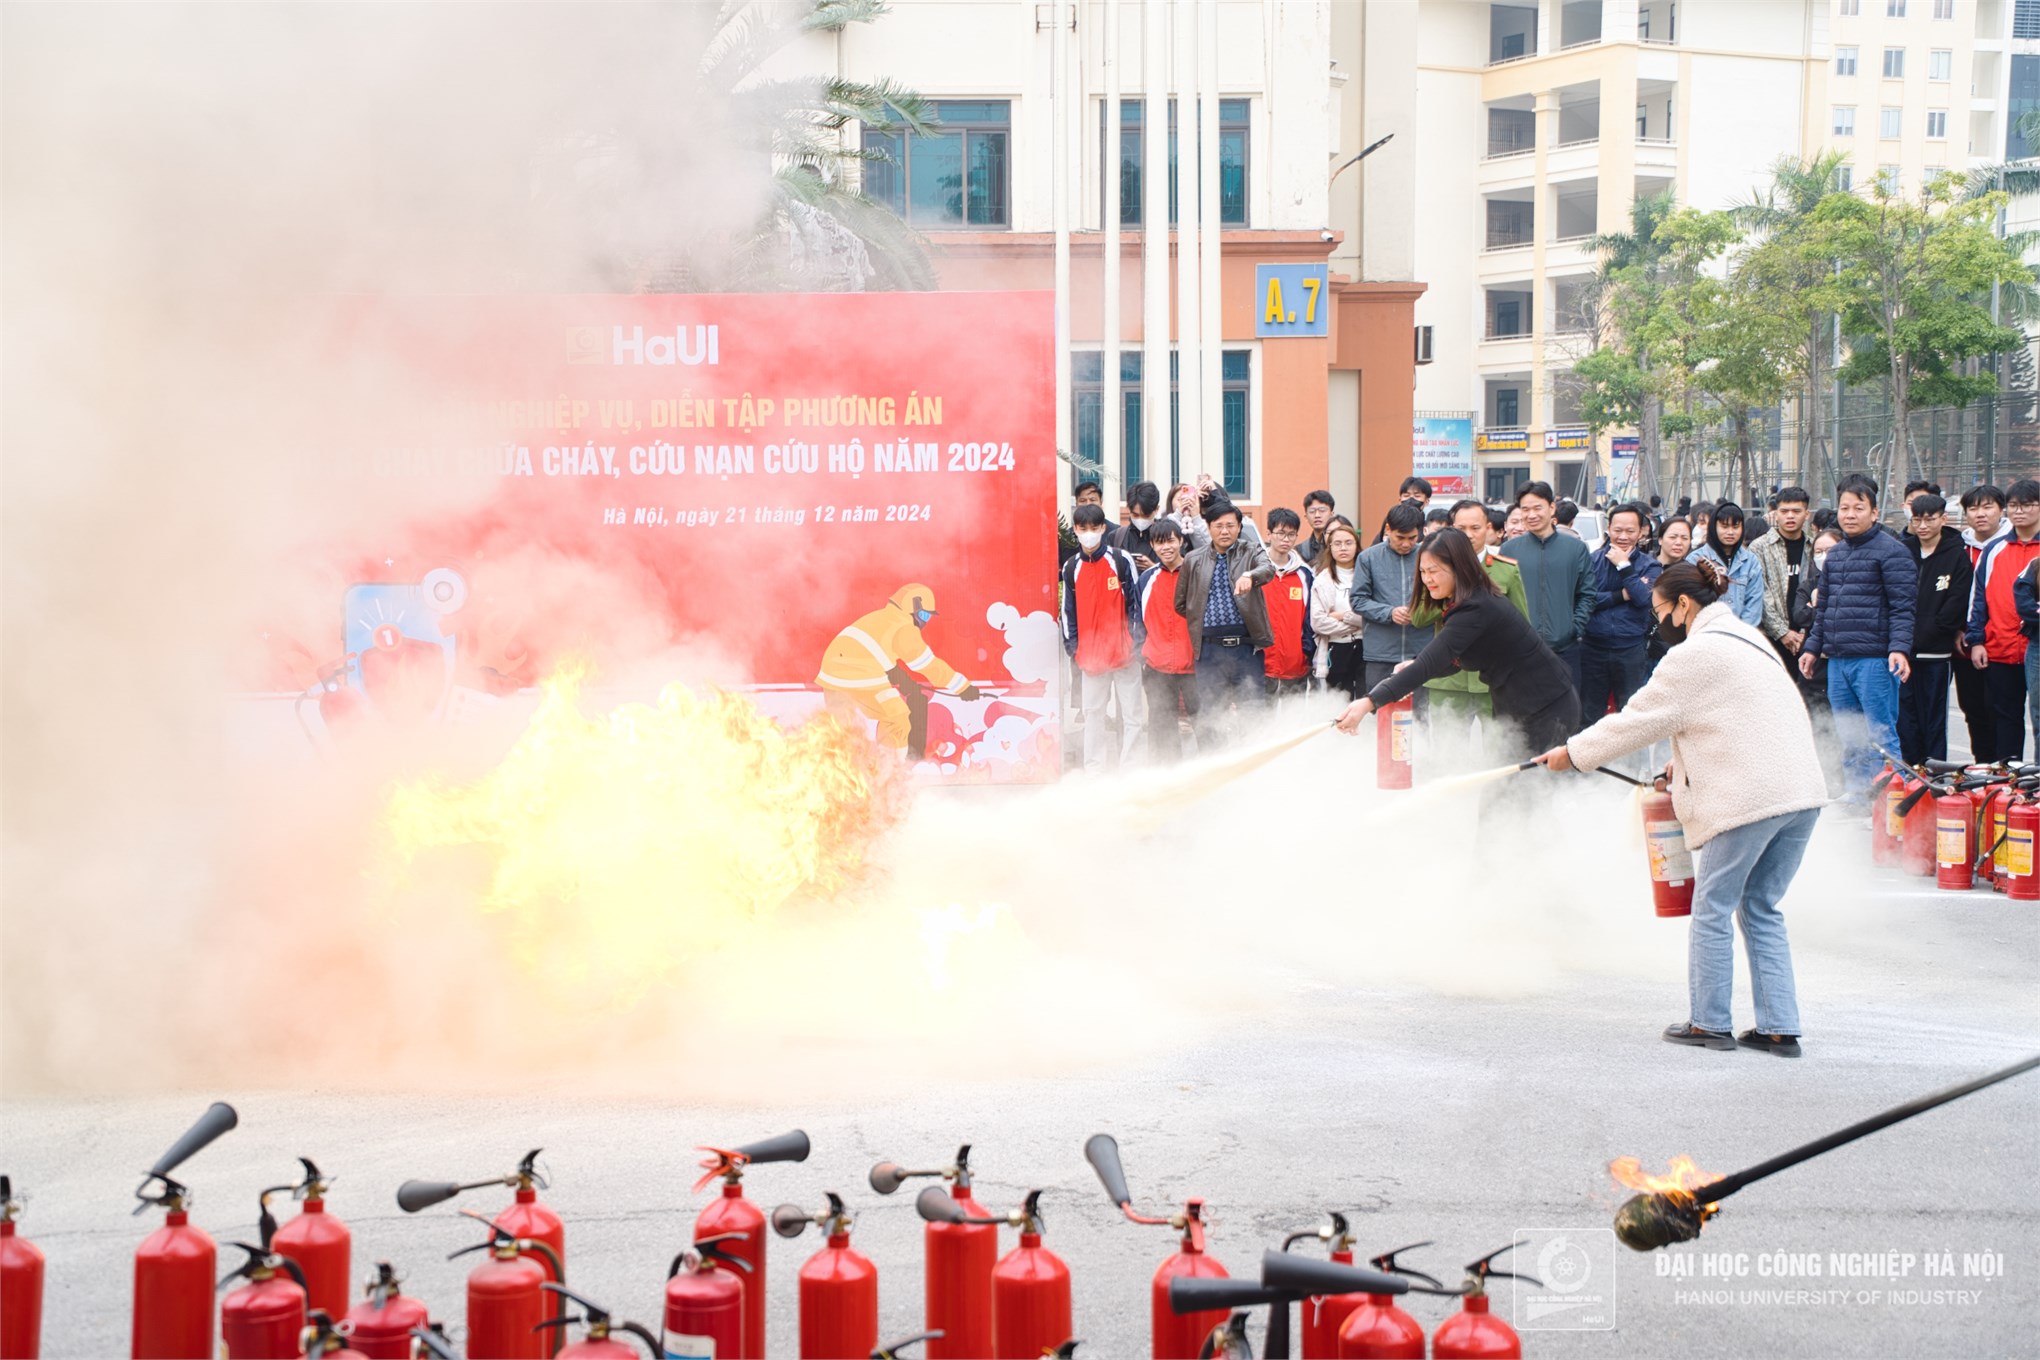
[(1996, 635), (1102, 632), (1170, 669), (1287, 661)]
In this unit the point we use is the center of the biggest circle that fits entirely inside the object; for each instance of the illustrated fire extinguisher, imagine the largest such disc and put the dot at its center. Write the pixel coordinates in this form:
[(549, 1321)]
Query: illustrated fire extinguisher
[(1955, 841), (1671, 863), (1323, 1313), (960, 1253), (1030, 1286), (380, 1326), (733, 1214), (1395, 728), (601, 1342), (21, 1284), (838, 1285), (1172, 1337), (2016, 868), (1474, 1333), (705, 1305), (263, 1319), (174, 1266), (506, 1298), (322, 1340), (1189, 1296), (318, 1241), (1334, 1279)]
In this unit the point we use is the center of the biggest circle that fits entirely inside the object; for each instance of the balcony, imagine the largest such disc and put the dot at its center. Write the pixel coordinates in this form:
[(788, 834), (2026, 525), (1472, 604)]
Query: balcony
[(1511, 221), (1512, 33), (1657, 23), (1579, 24)]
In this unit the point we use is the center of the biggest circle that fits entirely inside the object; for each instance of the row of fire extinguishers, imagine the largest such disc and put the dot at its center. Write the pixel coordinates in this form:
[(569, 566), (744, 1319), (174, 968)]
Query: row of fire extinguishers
[(291, 1294), (1962, 824)]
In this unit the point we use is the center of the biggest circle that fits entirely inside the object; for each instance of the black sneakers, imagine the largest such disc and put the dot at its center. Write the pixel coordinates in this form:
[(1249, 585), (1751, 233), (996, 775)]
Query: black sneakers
[(1784, 1045), (1684, 1033)]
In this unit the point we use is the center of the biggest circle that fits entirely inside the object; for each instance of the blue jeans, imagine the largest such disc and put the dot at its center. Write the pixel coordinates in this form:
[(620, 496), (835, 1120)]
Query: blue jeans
[(1863, 693), (1742, 875)]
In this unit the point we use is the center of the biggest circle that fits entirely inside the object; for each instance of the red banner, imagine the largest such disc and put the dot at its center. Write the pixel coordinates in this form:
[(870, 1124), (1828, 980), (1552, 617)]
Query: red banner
[(848, 498)]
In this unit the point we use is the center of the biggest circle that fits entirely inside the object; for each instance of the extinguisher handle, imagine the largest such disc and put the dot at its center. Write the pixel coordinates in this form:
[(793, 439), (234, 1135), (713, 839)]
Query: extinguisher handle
[(890, 1350), (431, 1339)]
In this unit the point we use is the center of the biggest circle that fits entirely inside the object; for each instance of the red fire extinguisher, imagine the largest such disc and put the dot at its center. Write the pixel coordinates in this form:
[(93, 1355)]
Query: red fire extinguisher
[(1173, 1337), (264, 1318), (2016, 869), (1916, 848), (318, 1241), (506, 1299), (838, 1285), (1954, 841), (1885, 792), (1990, 831), (732, 1213), (1671, 863), (1395, 727), (1029, 1307), (174, 1265), (704, 1304), (1323, 1313), (322, 1340), (601, 1342), (21, 1284), (1473, 1333), (380, 1326), (960, 1252), (1334, 1279), (526, 1219)]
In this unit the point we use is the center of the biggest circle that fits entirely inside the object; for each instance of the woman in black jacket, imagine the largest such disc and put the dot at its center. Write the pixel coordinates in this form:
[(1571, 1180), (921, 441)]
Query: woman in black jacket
[(1484, 633)]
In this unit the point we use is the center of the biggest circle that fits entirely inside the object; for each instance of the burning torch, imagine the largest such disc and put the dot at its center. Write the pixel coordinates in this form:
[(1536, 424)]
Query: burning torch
[(1661, 1217)]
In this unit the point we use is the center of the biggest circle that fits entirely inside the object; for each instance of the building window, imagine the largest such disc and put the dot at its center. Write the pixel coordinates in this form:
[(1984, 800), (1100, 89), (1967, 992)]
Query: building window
[(2026, 19), (1894, 9), (1894, 63), (1233, 126), (1937, 125), (1845, 177), (1939, 64), (1845, 121), (1087, 410), (1845, 61), (1851, 8), (1944, 9), (955, 177), (1890, 123), (1887, 179), (2024, 96)]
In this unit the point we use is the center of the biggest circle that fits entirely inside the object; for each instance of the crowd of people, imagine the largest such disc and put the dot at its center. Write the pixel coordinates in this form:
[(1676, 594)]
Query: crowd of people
[(1182, 615)]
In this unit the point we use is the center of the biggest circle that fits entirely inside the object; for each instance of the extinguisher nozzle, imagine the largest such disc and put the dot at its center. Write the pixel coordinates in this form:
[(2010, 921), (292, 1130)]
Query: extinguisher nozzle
[(787, 1147), (210, 1125), (415, 1195), (1101, 1150)]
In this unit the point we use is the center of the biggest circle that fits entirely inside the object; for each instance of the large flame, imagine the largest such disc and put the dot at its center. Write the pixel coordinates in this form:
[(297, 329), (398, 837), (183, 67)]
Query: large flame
[(1683, 1176), (624, 846)]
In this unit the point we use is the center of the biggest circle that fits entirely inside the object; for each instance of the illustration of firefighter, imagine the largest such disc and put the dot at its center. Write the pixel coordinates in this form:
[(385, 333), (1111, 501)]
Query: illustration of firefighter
[(870, 666)]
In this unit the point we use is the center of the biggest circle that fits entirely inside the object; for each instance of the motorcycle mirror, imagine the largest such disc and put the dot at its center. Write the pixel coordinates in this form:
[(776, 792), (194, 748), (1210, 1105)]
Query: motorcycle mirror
[(1101, 1150), (215, 1121), (936, 1205), (790, 1220), (415, 1195), (887, 1177), (787, 1147)]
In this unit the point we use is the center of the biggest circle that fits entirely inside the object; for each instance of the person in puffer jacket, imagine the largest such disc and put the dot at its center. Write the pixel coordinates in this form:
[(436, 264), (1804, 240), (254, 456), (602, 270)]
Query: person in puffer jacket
[(1749, 819), (1863, 625)]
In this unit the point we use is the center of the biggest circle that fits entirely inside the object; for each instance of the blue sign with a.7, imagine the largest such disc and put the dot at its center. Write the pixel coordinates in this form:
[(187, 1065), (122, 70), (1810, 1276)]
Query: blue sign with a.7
[(1292, 300)]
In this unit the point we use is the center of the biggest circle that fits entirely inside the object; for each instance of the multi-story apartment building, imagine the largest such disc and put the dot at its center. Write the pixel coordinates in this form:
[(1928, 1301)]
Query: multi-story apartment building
[(1201, 375), (1916, 87), (1538, 124)]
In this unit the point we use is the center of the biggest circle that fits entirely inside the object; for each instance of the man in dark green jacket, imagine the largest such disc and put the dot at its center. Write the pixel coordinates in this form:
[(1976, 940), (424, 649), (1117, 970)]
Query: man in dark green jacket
[(1558, 575)]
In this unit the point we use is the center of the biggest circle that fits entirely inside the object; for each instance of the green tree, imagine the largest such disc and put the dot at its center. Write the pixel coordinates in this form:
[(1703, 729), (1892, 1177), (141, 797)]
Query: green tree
[(1916, 275)]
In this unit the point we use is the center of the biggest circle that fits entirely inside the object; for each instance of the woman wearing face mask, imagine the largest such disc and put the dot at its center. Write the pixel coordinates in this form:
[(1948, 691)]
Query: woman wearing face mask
[(1750, 820), (1724, 548), (1332, 618), (1529, 686)]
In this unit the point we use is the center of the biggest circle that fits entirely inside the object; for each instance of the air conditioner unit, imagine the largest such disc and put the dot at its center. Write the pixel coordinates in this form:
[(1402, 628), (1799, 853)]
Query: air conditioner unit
[(1423, 344)]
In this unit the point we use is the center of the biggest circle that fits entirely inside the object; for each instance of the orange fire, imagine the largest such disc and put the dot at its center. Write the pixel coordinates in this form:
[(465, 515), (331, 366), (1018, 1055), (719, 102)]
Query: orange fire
[(1683, 1178), (625, 846)]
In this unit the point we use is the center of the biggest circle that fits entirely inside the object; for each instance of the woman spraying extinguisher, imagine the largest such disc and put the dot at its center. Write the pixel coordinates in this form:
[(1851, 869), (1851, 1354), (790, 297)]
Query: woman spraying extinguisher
[(1751, 821), (1483, 632)]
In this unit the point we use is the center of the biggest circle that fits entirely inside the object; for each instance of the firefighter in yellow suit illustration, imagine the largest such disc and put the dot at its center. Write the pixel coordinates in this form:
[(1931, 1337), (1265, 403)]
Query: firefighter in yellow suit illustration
[(869, 669)]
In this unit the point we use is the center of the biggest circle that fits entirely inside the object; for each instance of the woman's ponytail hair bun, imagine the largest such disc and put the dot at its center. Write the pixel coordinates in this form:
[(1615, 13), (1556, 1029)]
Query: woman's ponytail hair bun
[(1716, 578), (1704, 581)]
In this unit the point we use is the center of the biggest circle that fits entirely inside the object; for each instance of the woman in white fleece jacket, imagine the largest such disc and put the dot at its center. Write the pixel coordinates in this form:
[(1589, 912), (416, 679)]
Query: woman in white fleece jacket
[(1721, 694)]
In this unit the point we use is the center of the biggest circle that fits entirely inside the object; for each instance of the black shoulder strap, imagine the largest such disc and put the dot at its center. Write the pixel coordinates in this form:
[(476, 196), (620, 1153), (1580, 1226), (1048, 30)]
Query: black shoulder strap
[(1752, 643)]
